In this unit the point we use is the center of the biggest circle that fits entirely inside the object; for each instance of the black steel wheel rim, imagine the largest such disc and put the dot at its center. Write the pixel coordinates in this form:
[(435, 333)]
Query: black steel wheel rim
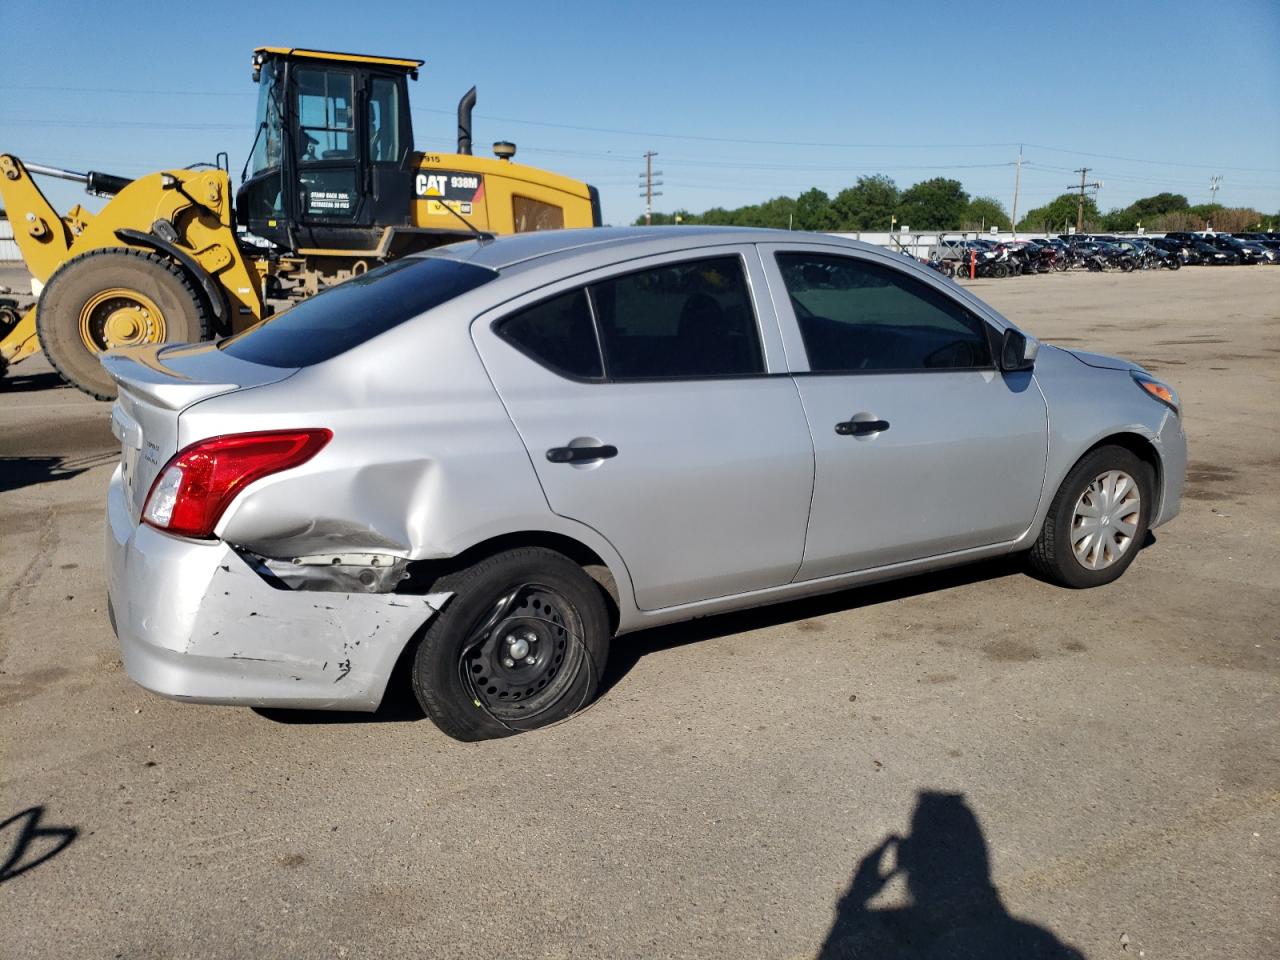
[(523, 657)]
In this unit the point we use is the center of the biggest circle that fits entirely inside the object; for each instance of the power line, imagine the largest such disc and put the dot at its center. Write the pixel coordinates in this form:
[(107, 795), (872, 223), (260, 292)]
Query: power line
[(134, 91), (662, 135), (132, 124), (1165, 163), (706, 139)]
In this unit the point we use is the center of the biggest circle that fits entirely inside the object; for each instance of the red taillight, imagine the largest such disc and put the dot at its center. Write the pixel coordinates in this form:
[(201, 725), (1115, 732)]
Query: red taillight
[(197, 485)]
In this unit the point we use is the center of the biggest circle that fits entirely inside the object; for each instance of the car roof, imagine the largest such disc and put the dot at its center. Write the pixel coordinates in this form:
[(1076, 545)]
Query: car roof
[(500, 253)]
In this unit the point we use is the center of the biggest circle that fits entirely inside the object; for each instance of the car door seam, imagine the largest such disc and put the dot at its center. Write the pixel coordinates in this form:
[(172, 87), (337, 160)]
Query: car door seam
[(813, 478)]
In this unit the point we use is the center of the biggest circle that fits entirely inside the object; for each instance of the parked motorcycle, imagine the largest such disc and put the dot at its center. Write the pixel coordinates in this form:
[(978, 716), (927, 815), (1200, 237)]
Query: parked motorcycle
[(1117, 258)]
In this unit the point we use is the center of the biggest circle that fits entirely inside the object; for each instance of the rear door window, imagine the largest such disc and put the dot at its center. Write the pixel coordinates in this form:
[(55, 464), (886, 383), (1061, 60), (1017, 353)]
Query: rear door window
[(690, 319), (558, 334), (353, 312)]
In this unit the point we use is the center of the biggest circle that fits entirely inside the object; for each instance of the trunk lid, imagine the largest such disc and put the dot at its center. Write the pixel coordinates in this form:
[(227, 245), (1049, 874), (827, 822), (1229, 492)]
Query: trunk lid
[(156, 383)]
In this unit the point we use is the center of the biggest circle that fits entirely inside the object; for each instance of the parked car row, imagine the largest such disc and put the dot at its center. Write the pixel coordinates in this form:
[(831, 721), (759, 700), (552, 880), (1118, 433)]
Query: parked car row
[(1197, 248), (983, 257)]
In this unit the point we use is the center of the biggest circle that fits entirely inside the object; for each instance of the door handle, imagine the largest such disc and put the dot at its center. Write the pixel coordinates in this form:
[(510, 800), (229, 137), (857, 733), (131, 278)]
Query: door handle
[(859, 428), (581, 454)]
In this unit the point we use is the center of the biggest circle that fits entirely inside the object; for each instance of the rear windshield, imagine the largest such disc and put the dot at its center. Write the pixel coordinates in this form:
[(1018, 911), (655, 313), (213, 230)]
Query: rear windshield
[(347, 315)]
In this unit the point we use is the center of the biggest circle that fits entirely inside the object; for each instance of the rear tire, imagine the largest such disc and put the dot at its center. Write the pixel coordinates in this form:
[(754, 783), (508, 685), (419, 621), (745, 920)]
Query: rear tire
[(114, 297), (465, 673), (1078, 550)]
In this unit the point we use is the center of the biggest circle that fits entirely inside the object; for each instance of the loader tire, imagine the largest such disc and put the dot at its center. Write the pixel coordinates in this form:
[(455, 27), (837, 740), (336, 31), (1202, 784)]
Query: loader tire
[(114, 298)]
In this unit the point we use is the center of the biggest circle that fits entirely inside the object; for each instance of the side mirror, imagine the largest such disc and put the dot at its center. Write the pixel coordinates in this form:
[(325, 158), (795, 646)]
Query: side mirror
[(1017, 351)]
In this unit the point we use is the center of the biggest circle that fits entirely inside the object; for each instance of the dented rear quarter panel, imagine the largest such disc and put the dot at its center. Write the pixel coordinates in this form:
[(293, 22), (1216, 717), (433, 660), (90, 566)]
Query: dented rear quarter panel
[(196, 623)]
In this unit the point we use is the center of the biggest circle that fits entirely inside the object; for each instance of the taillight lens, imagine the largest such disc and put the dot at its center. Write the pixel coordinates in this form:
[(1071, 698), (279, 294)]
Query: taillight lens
[(197, 485)]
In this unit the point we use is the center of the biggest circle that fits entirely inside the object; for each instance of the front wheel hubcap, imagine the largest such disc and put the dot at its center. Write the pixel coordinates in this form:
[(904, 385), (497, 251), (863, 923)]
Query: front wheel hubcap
[(120, 317), (1105, 520)]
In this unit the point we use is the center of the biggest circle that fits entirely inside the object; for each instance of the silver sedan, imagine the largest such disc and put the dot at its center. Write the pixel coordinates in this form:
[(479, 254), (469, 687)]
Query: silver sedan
[(493, 459)]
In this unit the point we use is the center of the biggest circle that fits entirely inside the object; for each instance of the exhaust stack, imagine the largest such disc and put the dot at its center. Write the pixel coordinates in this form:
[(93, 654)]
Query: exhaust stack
[(465, 106)]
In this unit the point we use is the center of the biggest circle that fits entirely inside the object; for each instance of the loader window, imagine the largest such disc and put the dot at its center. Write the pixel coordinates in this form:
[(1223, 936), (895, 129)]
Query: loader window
[(266, 151), (384, 121), (533, 215), (356, 311), (326, 114)]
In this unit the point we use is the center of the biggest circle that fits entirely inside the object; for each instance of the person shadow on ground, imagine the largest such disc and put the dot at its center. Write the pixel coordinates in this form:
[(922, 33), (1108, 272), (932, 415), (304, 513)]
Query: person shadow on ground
[(955, 910)]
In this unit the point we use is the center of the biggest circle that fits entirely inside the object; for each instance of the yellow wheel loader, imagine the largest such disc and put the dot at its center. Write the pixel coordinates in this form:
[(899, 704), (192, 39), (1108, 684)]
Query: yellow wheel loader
[(332, 186)]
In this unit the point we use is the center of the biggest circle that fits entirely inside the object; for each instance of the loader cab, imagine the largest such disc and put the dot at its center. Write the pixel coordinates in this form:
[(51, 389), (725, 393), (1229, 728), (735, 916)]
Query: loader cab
[(332, 161)]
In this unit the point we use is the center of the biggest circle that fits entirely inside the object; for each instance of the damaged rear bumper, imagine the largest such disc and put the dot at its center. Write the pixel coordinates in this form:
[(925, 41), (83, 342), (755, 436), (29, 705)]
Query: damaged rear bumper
[(195, 622)]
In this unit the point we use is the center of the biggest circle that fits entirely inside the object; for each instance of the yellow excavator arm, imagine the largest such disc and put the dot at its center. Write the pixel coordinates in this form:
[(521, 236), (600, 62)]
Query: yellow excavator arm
[(185, 215), (45, 239)]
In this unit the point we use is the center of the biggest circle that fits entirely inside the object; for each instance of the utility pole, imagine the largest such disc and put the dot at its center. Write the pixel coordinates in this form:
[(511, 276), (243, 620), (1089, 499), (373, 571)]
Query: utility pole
[(1017, 185), (1096, 185), (649, 183), (1214, 184)]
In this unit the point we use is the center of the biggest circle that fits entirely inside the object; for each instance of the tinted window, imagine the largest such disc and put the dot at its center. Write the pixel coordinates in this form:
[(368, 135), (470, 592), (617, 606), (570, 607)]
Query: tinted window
[(558, 334), (689, 319), (857, 315), (347, 315)]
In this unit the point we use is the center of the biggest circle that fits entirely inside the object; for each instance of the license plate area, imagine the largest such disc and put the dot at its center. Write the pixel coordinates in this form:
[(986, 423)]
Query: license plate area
[(129, 432)]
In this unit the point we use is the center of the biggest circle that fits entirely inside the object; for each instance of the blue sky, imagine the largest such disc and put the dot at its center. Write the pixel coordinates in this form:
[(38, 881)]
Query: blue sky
[(742, 101)]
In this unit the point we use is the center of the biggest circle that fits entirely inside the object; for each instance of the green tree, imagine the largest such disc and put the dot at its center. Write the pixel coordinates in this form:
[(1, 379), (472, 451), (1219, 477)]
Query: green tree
[(813, 211), (868, 205), (717, 216), (1146, 211), (1116, 219), (935, 204), (1148, 208), (776, 212), (984, 213), (1060, 213), (661, 219)]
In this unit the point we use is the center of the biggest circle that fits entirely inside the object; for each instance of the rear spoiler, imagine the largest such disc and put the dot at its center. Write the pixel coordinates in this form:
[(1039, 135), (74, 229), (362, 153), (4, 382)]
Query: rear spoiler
[(139, 370)]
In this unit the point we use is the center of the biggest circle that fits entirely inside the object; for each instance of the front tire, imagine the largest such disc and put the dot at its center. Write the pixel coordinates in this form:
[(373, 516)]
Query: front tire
[(114, 297), (521, 644), (1097, 521)]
